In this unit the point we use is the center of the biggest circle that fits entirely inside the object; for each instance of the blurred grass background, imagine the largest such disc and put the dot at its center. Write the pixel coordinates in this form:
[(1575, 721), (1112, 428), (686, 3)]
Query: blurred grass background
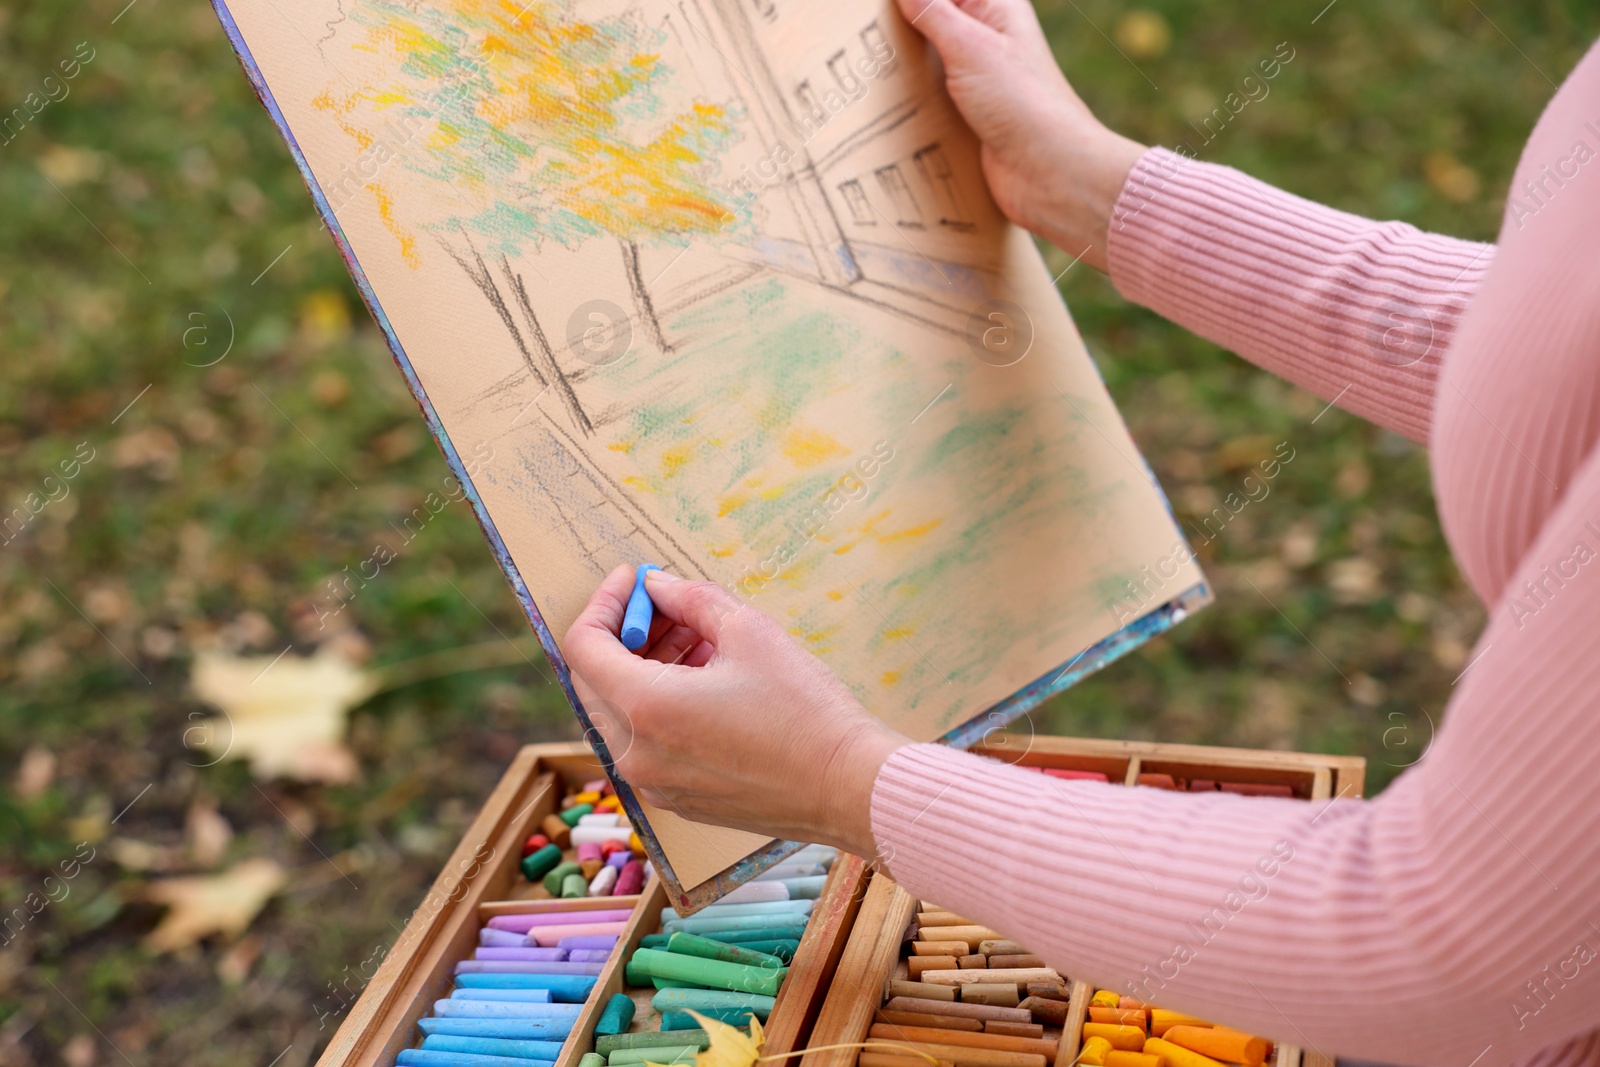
[(152, 214)]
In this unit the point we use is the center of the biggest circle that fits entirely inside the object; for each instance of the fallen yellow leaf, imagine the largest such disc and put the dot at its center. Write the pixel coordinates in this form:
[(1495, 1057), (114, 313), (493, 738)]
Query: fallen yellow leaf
[(730, 1046), (225, 903), (286, 716)]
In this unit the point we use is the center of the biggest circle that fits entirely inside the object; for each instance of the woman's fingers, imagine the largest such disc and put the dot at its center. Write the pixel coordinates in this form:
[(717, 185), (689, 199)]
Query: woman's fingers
[(593, 648), (703, 607), (673, 646)]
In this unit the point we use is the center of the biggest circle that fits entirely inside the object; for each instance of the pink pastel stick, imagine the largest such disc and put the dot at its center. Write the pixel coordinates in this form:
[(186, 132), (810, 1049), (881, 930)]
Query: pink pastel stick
[(552, 935), (521, 924)]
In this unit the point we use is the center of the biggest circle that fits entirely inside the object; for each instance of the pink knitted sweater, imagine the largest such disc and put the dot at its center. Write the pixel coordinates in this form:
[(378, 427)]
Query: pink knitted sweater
[(1455, 919)]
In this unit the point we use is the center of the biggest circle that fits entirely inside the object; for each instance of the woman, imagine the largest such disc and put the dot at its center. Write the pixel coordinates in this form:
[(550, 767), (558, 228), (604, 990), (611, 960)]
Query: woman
[(1454, 920)]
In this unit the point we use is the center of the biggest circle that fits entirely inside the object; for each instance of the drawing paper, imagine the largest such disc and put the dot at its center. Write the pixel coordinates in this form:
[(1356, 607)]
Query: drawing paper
[(718, 285)]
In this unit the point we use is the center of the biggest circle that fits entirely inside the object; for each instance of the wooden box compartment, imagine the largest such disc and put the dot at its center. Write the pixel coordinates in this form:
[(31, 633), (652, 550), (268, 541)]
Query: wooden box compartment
[(874, 953), (482, 879)]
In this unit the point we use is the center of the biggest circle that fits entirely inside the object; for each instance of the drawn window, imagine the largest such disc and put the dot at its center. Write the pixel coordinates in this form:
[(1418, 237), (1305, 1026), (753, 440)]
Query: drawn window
[(767, 9), (941, 176), (878, 47), (856, 199), (894, 186), (810, 106), (839, 66)]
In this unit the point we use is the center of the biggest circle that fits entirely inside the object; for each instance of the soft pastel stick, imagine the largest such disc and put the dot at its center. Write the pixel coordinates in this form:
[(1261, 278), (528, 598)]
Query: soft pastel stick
[(599, 818), (554, 936), (516, 996), (790, 869), (682, 1020), (598, 834), (526, 1029), (640, 612), (806, 888), (604, 942), (788, 932), (495, 1046), (707, 972), (620, 859), (489, 937), (526, 967), (563, 988), (603, 882), (706, 1001), (756, 893), (525, 953), (626, 1057), (478, 1009), (521, 924), (694, 924), (416, 1057)]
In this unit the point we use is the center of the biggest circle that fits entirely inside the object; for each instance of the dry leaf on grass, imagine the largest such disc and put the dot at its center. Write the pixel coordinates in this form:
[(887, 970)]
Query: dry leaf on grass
[(208, 833), (286, 717), (225, 903)]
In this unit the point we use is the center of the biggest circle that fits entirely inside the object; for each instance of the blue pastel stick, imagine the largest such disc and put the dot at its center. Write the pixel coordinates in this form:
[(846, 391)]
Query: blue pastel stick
[(416, 1057), (563, 988), (525, 1029), (636, 620), (485, 1009), (515, 996), (546, 1051)]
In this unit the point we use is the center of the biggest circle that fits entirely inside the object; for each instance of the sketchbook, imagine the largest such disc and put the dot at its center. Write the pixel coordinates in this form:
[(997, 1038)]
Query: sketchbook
[(718, 285)]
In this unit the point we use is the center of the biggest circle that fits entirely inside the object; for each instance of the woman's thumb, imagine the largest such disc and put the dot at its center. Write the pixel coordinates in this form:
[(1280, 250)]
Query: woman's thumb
[(704, 607)]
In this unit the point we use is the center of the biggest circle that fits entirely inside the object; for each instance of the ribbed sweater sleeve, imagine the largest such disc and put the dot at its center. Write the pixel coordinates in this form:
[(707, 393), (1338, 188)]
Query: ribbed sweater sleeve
[(1451, 918), (1356, 311)]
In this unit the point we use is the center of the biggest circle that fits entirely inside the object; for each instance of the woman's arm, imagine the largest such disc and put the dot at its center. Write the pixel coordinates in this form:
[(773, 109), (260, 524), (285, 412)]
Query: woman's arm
[(1358, 312), (1454, 914)]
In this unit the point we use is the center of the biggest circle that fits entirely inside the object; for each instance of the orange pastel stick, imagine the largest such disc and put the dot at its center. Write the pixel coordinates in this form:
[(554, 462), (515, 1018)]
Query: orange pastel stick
[(1177, 1055), (1234, 1046), (1162, 1020), (1119, 1016), (1119, 1058), (1127, 1038)]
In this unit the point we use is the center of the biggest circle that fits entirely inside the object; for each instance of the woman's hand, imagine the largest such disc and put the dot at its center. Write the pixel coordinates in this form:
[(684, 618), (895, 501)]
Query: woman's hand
[(1051, 165), (723, 718)]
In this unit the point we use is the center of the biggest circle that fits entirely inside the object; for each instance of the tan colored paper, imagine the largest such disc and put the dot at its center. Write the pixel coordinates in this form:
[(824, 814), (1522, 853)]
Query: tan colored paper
[(717, 284)]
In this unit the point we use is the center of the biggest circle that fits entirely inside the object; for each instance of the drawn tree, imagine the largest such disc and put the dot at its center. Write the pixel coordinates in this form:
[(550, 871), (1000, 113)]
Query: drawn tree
[(544, 127)]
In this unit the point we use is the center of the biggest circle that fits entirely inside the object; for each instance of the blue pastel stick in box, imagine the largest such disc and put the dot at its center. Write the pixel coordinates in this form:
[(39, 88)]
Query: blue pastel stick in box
[(641, 612)]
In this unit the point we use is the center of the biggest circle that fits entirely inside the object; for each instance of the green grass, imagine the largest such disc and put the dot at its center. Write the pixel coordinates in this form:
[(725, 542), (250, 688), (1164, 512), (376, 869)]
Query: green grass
[(208, 516)]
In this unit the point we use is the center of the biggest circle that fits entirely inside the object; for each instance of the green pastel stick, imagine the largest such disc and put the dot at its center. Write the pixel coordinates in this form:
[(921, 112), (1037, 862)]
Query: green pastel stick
[(668, 1054), (682, 1020), (652, 1039), (707, 948), (575, 885), (635, 977), (540, 862), (707, 1001), (773, 933), (727, 911), (667, 983), (654, 940), (558, 874), (713, 974), (576, 812), (616, 1018), (697, 925), (592, 1059), (784, 948)]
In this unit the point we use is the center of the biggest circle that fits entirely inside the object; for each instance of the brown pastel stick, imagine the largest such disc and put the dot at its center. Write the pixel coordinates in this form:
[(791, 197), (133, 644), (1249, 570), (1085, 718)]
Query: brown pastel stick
[(921, 990), (885, 1032), (1000, 947), (940, 1022), (1118, 1058), (1020, 959), (938, 948), (1129, 1002), (964, 1010), (962, 1056), (993, 1026), (556, 829), (972, 935), (1164, 1019), (1233, 1046), (1119, 1016), (921, 965), (1001, 994), (1017, 976), (940, 918), (1048, 990), (975, 962), (1049, 1012), (889, 1058)]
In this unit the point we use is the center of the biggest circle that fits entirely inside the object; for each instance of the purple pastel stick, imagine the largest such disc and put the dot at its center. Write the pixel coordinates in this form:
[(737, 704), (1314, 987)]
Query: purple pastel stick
[(521, 924), (501, 938), (525, 954), (526, 967), (589, 955), (619, 860), (590, 941)]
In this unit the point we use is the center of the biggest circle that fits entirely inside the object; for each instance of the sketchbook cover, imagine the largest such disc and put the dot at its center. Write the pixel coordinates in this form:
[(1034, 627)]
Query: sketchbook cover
[(718, 285)]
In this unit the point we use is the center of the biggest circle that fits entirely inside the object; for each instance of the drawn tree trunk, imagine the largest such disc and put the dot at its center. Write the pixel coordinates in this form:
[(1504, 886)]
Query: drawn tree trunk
[(642, 302)]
